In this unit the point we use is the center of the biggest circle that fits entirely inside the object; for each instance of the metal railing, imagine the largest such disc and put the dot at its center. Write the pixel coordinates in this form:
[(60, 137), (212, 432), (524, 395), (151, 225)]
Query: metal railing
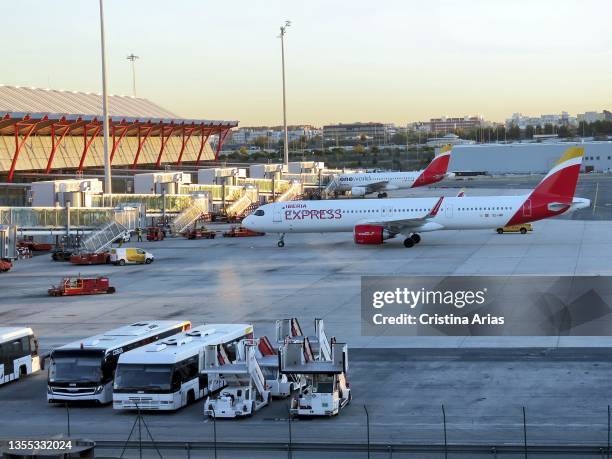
[(54, 217), (123, 221), (249, 196), (295, 189), (199, 206)]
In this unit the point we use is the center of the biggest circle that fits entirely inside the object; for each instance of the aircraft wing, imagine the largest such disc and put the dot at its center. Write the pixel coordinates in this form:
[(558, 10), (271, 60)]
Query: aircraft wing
[(376, 186), (396, 225)]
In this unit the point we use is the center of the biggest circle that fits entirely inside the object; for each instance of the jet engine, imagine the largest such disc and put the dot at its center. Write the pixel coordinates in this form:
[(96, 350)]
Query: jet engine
[(358, 191), (371, 234)]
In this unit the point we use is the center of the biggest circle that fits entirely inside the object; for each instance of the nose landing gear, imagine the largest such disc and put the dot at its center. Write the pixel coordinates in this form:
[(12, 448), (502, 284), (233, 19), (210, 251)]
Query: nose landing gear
[(382, 195), (281, 241), (412, 240)]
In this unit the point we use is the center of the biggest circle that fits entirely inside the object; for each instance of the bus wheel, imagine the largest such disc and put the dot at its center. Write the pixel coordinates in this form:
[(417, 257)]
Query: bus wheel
[(500, 231), (23, 371), (190, 397), (523, 230)]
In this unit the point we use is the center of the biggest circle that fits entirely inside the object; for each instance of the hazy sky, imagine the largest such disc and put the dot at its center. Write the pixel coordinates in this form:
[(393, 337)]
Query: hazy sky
[(347, 60)]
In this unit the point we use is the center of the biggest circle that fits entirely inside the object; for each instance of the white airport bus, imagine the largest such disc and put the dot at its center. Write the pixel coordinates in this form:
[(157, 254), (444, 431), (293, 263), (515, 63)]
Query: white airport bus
[(18, 353), (84, 370), (168, 375)]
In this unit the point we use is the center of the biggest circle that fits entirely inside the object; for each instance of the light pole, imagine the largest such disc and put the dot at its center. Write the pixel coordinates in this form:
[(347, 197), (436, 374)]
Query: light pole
[(132, 57), (107, 164), (283, 31)]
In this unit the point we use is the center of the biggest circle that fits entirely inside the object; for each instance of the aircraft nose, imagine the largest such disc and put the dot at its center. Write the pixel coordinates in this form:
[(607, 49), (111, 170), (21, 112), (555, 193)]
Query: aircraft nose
[(248, 222)]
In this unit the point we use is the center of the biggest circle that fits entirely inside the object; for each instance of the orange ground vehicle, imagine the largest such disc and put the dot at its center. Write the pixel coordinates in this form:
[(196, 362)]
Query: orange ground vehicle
[(240, 231), (155, 233), (82, 286), (5, 265), (199, 234), (90, 258)]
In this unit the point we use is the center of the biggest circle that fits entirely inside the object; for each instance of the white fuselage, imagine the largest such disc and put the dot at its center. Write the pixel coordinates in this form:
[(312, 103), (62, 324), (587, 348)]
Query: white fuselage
[(343, 215), (394, 180)]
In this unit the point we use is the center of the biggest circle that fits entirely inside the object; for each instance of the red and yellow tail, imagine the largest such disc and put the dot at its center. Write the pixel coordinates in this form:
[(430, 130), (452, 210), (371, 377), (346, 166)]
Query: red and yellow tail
[(555, 193), (437, 168)]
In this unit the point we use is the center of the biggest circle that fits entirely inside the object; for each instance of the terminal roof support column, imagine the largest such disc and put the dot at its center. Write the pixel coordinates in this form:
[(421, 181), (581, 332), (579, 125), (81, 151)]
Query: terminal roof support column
[(87, 143), (164, 141), (141, 142), (19, 145), (56, 143), (191, 129), (222, 136), (203, 140), (117, 140)]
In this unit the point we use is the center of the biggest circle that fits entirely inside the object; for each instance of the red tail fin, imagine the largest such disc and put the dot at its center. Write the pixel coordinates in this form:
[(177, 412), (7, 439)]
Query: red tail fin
[(436, 170), (554, 194)]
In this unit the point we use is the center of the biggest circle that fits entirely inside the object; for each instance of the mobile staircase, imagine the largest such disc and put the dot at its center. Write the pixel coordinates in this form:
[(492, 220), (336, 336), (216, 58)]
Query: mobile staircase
[(200, 205), (124, 221), (292, 193), (245, 391), (327, 390)]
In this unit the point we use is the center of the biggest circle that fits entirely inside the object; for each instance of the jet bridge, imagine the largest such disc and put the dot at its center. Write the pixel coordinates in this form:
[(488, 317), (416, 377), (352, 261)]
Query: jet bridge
[(245, 391), (327, 390)]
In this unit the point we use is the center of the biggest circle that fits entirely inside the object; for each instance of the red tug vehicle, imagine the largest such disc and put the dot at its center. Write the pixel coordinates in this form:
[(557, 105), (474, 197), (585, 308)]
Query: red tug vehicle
[(82, 286), (241, 231)]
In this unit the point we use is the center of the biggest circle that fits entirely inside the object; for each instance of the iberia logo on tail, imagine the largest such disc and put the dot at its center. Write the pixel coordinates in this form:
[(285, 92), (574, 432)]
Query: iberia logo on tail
[(437, 168), (555, 193)]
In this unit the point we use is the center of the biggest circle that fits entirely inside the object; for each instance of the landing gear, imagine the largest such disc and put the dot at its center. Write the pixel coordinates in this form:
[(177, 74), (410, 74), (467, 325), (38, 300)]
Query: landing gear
[(382, 195), (281, 241), (412, 240)]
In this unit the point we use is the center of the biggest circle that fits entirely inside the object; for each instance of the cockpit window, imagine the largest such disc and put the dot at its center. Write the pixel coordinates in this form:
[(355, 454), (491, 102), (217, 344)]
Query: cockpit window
[(259, 213)]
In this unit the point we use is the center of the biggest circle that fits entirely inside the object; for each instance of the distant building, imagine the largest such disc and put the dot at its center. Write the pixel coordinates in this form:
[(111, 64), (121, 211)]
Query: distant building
[(380, 132), (273, 135), (449, 124), (522, 121), (591, 117), (448, 139)]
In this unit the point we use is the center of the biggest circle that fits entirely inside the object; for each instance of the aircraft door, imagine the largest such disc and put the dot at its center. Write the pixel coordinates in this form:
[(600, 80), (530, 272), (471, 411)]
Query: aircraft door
[(276, 215)]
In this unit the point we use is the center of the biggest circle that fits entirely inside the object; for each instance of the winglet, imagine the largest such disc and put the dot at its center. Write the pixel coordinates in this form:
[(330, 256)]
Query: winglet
[(434, 210)]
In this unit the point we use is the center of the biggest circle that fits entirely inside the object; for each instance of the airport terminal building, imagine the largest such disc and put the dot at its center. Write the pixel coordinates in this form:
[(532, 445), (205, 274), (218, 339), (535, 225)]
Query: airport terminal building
[(526, 158), (43, 130)]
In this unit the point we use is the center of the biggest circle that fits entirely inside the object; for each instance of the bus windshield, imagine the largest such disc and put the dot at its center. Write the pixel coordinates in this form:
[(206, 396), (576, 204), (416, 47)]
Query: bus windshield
[(132, 377), (75, 366)]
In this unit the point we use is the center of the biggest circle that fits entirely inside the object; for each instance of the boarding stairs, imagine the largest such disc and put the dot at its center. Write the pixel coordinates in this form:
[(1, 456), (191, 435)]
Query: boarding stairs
[(331, 186), (240, 206), (292, 193), (326, 390), (245, 388), (198, 207), (124, 221), (318, 346)]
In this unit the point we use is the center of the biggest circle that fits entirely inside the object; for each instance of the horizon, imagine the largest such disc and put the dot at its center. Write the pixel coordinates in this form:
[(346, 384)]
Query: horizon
[(403, 63)]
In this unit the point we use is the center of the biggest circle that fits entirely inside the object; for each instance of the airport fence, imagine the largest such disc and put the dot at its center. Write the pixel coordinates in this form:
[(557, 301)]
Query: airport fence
[(223, 440)]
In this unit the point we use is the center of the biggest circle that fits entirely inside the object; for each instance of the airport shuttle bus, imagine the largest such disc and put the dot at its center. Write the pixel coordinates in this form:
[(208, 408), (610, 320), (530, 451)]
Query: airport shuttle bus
[(18, 353), (167, 375), (84, 370)]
